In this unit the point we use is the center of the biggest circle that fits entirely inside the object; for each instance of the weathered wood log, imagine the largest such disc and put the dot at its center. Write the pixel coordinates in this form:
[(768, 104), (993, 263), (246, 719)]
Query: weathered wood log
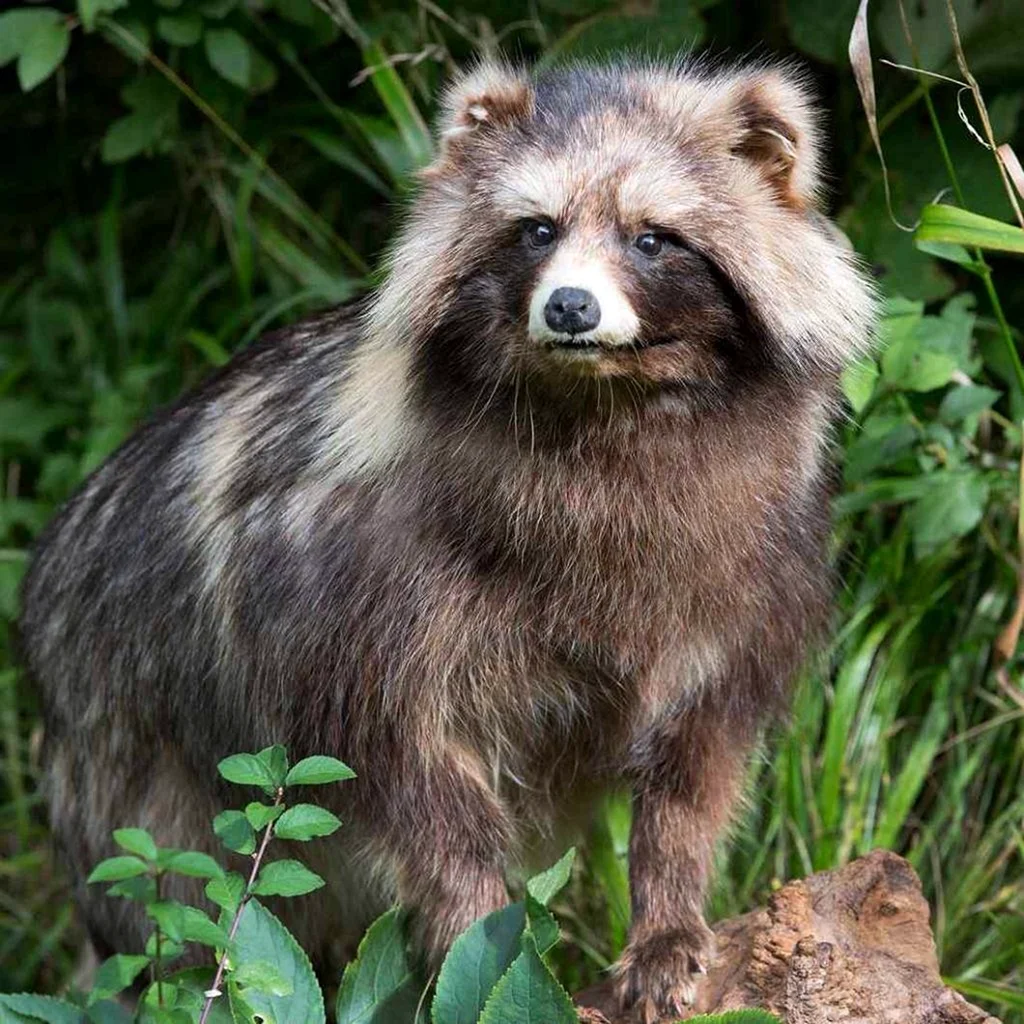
[(851, 945)]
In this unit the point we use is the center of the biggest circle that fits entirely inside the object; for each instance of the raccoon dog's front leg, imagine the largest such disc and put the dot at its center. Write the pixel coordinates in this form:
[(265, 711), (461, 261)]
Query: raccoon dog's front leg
[(447, 835), (686, 781)]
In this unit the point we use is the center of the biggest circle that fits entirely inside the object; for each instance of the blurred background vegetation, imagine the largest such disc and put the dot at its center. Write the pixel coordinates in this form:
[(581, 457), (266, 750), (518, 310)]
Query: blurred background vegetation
[(180, 175)]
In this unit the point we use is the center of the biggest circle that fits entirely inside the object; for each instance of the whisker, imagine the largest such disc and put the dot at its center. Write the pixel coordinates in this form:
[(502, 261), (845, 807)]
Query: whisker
[(515, 413), (470, 429), (529, 409)]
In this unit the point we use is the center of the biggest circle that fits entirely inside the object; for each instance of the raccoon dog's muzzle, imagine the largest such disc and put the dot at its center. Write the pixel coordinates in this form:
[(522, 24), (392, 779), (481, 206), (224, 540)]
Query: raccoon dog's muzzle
[(578, 305)]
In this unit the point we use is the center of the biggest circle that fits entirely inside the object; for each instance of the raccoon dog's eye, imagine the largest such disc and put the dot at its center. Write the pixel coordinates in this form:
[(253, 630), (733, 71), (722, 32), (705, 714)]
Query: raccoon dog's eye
[(539, 233), (649, 243)]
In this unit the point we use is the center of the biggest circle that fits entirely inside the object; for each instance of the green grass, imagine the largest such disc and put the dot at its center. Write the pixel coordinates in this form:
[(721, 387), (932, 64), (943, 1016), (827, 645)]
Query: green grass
[(123, 283)]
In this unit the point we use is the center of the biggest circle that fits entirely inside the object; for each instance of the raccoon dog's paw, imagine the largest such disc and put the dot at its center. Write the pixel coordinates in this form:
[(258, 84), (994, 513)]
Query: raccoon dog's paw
[(658, 974)]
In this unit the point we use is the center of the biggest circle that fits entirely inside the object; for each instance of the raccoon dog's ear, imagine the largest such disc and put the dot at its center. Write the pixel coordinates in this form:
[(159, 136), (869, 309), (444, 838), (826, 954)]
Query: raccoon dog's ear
[(774, 127), (479, 105)]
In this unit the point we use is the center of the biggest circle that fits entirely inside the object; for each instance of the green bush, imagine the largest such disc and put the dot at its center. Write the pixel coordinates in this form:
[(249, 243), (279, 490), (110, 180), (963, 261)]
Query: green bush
[(181, 176)]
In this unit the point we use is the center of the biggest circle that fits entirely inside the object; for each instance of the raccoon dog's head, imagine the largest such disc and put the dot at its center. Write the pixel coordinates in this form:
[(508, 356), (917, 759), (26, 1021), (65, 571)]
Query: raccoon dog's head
[(650, 224)]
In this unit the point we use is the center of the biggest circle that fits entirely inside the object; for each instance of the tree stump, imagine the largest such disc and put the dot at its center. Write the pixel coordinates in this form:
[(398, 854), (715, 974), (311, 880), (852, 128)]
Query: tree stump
[(852, 945)]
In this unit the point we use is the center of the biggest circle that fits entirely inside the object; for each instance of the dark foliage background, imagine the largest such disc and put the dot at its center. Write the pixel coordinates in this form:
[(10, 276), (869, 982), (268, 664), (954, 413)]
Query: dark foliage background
[(180, 175)]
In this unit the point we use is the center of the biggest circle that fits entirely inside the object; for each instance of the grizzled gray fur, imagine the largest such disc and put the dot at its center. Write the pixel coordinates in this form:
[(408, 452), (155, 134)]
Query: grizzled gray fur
[(546, 514)]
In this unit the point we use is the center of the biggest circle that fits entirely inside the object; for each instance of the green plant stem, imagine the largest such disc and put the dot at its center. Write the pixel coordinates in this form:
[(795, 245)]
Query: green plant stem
[(158, 967), (246, 896)]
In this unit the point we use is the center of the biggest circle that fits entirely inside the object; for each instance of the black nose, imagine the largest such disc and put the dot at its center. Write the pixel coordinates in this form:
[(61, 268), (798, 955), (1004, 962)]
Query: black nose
[(572, 311)]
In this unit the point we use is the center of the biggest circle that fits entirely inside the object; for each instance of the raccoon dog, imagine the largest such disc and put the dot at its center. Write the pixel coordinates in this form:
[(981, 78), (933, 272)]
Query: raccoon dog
[(546, 514)]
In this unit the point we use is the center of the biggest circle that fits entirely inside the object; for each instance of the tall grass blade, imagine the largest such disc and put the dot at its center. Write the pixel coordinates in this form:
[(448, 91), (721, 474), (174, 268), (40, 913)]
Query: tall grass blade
[(399, 104)]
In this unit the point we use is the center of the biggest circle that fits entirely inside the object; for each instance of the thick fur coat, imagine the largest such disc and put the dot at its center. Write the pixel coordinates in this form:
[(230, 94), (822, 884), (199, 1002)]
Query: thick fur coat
[(494, 557)]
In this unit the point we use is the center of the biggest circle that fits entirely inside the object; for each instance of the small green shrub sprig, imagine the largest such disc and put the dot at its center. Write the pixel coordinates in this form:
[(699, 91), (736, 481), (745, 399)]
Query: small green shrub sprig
[(495, 972)]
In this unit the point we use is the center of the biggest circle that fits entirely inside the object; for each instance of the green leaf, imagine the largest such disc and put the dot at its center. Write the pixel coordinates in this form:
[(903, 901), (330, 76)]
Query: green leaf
[(315, 771), (306, 821), (380, 985), (822, 29), (261, 938), (951, 332), (286, 878), (169, 916), (548, 883), (42, 52), (217, 8), (858, 382), (235, 832), (27, 422), (89, 10), (239, 999), (477, 959), (155, 107), (197, 927), (263, 75), (137, 841), (168, 950), (953, 507), (22, 1006), (248, 770), (276, 761), (151, 95), (113, 869), (542, 925), (952, 225), (108, 1011), (885, 440), (226, 891), (180, 29), (141, 888), (923, 352), (186, 924), (263, 976), (228, 54), (918, 370), (966, 400), (115, 975), (528, 994), (18, 26), (261, 815), (952, 253), (188, 862), (885, 491), (187, 988)]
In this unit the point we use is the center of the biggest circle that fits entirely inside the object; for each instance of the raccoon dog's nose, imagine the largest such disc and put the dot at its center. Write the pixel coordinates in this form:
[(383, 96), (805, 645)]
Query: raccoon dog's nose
[(572, 311)]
